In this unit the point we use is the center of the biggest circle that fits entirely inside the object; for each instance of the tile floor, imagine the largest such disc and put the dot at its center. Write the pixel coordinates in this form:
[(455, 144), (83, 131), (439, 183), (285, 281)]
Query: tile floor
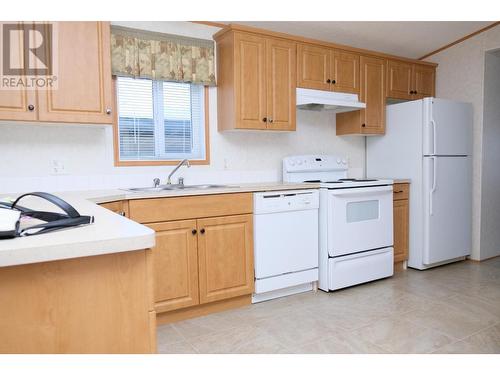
[(449, 309)]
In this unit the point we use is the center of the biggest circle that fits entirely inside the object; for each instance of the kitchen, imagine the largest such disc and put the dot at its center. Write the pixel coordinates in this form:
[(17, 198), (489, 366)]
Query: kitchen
[(271, 196)]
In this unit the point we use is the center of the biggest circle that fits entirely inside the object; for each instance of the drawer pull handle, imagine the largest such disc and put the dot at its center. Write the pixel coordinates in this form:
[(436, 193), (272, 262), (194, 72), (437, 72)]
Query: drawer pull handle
[(398, 191), (202, 230), (194, 231)]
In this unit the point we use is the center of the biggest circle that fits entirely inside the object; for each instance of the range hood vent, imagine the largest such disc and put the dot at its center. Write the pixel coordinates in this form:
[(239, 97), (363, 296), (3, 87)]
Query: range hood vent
[(319, 100)]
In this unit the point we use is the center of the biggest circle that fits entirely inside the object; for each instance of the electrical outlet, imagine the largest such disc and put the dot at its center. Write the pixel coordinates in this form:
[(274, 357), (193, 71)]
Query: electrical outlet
[(58, 167)]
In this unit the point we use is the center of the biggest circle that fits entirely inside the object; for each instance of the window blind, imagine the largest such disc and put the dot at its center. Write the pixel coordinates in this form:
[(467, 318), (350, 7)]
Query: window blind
[(160, 120)]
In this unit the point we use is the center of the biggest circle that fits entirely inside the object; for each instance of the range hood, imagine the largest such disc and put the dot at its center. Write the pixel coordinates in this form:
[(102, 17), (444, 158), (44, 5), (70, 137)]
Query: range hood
[(319, 100)]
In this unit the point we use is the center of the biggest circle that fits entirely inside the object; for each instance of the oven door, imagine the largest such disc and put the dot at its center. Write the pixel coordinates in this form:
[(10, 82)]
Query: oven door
[(359, 219)]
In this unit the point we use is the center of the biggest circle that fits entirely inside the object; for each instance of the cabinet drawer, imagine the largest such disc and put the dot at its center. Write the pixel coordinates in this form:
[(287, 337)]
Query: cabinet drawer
[(401, 191), (190, 207)]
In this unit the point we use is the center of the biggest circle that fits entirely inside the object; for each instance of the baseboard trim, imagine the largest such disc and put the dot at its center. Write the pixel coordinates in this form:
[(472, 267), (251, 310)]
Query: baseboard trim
[(482, 260), (201, 310)]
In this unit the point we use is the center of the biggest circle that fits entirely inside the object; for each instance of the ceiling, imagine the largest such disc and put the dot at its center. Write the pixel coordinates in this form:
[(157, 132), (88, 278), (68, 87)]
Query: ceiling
[(407, 39)]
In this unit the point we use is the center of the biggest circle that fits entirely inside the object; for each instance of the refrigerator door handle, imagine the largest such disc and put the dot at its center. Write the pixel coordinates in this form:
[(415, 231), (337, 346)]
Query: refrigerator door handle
[(434, 137), (434, 182)]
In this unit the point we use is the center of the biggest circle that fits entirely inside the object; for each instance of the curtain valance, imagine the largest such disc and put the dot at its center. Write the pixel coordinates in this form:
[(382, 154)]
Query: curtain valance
[(145, 54)]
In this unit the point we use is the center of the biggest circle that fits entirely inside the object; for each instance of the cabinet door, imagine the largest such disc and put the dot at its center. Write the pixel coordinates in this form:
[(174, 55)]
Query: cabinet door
[(175, 265), (225, 251), (281, 84), (345, 72), (83, 72), (250, 81), (313, 67), (425, 80), (401, 230), (373, 94), (14, 104), (399, 80)]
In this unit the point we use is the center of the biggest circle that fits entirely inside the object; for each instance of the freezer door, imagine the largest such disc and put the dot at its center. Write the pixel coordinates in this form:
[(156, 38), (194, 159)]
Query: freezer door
[(447, 208), (447, 127)]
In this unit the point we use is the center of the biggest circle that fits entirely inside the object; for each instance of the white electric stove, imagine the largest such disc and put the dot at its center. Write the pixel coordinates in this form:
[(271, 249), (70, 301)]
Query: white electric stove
[(355, 221)]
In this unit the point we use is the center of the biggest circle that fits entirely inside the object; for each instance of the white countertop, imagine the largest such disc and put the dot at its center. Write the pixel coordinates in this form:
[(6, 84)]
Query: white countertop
[(110, 233)]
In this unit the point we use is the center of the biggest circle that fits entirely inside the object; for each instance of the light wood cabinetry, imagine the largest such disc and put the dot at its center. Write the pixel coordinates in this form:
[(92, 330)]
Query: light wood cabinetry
[(95, 304), (327, 69), (16, 104), (401, 212), (225, 250), (409, 81), (82, 67), (203, 259), (175, 262), (370, 120), (118, 207), (256, 82)]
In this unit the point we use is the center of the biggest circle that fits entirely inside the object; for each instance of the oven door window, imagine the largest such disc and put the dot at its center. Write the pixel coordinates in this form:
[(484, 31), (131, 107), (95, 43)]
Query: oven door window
[(362, 211)]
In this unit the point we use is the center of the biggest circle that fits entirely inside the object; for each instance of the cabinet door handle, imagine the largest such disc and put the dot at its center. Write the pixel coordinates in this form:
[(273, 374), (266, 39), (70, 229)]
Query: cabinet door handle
[(108, 111), (363, 125), (334, 81), (270, 119), (202, 230), (328, 80), (31, 107), (194, 231), (264, 119)]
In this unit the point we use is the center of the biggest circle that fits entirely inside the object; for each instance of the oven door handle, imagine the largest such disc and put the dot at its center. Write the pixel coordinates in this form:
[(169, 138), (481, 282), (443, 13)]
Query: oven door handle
[(358, 191)]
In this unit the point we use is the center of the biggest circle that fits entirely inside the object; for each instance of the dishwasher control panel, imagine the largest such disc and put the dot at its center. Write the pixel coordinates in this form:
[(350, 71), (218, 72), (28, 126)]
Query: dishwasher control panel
[(288, 200)]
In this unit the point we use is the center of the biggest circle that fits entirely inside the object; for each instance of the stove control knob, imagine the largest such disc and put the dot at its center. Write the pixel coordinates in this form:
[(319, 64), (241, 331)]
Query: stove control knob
[(292, 163), (344, 161), (299, 162), (338, 160)]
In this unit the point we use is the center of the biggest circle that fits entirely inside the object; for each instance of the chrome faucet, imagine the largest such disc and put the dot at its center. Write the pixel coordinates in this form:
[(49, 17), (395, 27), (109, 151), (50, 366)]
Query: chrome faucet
[(185, 161)]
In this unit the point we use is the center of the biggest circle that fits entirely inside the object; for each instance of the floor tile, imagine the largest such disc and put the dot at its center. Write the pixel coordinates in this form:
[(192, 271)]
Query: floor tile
[(341, 343), (486, 341), (399, 336), (181, 347)]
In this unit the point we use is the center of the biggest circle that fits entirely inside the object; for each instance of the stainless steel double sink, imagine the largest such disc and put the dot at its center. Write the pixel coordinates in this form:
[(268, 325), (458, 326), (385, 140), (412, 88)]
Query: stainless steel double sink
[(171, 187)]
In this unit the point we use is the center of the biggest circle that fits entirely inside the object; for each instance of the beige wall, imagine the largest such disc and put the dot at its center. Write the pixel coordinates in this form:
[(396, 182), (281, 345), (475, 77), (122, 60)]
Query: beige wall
[(460, 76)]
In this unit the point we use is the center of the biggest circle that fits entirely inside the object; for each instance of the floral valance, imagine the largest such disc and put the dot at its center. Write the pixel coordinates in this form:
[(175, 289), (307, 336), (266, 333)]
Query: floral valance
[(144, 54)]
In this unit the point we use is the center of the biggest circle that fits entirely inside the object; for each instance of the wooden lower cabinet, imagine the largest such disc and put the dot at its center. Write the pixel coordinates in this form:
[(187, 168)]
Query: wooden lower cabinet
[(225, 257), (401, 212), (203, 258), (175, 265), (94, 304), (118, 207)]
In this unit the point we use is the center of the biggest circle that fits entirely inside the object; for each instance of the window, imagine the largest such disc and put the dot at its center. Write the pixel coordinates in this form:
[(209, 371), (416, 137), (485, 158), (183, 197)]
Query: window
[(160, 121)]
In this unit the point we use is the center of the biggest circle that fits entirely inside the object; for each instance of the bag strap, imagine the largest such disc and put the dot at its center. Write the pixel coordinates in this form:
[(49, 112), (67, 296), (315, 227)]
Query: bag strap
[(65, 206)]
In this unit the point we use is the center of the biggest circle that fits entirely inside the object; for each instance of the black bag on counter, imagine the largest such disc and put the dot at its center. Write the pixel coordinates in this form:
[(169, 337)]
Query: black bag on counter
[(50, 220)]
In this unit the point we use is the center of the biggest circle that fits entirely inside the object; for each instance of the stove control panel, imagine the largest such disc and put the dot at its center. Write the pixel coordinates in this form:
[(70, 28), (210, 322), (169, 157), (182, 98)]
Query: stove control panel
[(315, 163)]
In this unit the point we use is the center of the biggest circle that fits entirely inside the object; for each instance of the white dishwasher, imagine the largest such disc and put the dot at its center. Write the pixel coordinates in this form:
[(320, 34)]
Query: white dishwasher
[(285, 243)]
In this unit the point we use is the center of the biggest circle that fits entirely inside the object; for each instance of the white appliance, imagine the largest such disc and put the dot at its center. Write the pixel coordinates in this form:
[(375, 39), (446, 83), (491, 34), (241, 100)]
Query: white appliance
[(285, 243), (355, 221), (430, 141), (319, 100)]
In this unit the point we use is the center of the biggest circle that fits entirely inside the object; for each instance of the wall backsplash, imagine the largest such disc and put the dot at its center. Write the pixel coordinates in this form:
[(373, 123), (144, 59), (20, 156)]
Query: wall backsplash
[(28, 150)]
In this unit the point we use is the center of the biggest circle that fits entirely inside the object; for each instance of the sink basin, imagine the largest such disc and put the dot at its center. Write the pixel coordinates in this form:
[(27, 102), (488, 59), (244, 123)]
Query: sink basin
[(161, 188)]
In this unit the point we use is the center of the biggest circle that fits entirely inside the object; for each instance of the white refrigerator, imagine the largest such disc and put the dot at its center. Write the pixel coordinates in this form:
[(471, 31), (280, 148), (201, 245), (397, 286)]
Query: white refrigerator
[(430, 141)]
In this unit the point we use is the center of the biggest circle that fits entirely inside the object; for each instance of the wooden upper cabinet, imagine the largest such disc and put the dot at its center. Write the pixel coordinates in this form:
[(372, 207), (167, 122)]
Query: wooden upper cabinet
[(281, 83), (313, 67), (225, 251), (15, 104), (409, 81), (345, 72), (83, 70), (256, 82), (250, 81), (370, 120), (373, 94), (399, 80), (425, 80), (175, 260), (327, 69)]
